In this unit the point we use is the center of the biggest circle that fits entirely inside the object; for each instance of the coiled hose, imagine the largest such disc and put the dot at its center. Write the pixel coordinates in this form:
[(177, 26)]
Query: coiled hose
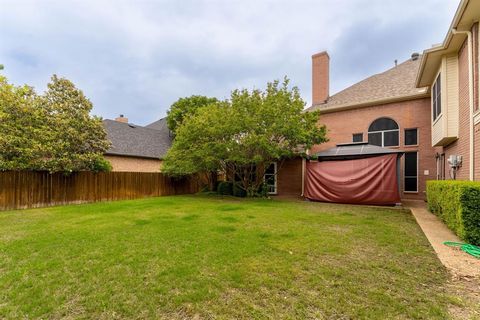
[(468, 248)]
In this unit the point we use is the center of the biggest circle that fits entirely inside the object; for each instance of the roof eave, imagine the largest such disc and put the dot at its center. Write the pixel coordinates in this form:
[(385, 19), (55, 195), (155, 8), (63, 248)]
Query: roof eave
[(423, 94), (118, 154), (432, 57)]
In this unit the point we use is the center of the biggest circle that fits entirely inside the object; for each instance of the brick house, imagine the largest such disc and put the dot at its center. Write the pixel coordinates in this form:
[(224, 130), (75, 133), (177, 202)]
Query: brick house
[(451, 72), (427, 106), (137, 148), (387, 110)]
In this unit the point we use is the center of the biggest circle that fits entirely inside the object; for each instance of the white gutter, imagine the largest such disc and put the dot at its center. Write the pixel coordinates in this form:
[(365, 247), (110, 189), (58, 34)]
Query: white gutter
[(470, 96)]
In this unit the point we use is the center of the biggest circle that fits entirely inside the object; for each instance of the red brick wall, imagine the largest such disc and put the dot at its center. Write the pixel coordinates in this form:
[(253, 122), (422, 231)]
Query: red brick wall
[(320, 77), (289, 178), (408, 114)]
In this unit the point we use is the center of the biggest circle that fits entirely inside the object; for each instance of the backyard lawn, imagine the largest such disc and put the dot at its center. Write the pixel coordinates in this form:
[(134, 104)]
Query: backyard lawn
[(211, 257)]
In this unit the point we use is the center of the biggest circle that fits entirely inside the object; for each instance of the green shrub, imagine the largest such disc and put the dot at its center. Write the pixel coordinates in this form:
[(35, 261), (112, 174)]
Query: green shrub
[(101, 165), (262, 191), (457, 203), (225, 188), (215, 186), (238, 191)]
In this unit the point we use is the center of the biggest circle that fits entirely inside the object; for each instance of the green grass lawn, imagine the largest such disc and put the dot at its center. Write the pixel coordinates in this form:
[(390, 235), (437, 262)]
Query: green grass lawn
[(208, 257)]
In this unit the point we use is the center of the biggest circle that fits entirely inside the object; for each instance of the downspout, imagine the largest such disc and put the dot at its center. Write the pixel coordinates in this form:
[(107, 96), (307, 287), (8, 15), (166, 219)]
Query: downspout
[(304, 165), (470, 100), (303, 175)]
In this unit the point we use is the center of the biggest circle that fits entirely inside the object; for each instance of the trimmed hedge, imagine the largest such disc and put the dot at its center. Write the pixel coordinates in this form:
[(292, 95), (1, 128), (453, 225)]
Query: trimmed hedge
[(225, 188), (457, 203)]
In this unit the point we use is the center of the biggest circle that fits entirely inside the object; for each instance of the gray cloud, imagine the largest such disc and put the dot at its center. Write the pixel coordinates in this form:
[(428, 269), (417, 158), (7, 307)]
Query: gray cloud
[(137, 57)]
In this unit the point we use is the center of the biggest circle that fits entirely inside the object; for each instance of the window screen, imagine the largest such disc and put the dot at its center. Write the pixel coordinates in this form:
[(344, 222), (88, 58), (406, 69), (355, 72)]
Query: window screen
[(437, 98), (441, 167), (383, 132), (411, 172), (357, 137), (411, 137), (375, 138), (383, 124), (271, 178), (390, 138)]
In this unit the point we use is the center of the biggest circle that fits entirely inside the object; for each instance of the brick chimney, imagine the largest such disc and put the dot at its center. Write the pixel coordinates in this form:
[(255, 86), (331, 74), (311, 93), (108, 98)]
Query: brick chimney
[(320, 77), (121, 118)]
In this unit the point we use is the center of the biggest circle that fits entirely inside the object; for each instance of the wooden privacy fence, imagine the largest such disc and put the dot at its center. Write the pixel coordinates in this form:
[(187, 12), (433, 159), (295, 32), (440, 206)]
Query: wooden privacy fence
[(31, 189)]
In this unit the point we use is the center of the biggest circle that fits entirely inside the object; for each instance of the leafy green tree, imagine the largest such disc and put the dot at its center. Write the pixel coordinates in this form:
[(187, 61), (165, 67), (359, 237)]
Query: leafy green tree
[(53, 132), (196, 148), (185, 107), (78, 140), (244, 135), (20, 127)]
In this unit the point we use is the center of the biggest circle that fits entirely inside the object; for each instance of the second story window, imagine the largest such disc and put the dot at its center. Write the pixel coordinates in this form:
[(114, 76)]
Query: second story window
[(357, 137), (383, 132), (411, 137), (437, 98)]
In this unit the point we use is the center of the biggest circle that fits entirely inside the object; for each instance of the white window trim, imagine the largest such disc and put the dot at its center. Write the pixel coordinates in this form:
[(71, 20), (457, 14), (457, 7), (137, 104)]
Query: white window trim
[(476, 115), (383, 136), (405, 176), (438, 76), (275, 179)]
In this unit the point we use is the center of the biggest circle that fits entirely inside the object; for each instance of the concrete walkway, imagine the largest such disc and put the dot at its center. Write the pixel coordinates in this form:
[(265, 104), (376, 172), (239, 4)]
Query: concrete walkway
[(456, 261)]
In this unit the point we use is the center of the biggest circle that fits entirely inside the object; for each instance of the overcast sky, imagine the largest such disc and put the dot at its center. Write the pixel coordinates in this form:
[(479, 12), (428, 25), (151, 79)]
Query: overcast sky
[(137, 57)]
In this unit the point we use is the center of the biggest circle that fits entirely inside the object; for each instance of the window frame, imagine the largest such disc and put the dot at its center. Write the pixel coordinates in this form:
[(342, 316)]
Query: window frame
[(436, 100), (357, 134), (274, 175), (441, 163), (383, 133), (405, 176), (405, 137)]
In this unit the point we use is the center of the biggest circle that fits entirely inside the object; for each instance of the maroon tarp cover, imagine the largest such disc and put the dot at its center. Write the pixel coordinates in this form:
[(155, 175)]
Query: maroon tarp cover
[(370, 180)]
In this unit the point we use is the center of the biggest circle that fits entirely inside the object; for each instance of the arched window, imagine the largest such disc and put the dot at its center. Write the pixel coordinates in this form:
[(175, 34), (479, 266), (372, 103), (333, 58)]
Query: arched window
[(383, 132)]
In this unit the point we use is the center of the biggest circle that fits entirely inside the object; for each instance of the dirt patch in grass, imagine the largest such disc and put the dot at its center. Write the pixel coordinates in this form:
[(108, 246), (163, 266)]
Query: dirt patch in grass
[(465, 303)]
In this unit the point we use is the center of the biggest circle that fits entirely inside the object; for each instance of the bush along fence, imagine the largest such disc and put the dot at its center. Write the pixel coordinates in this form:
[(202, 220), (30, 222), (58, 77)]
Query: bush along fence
[(31, 189), (457, 203)]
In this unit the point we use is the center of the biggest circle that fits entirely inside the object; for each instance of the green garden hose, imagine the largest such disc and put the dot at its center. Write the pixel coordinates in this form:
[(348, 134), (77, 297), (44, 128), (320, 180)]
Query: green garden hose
[(468, 248)]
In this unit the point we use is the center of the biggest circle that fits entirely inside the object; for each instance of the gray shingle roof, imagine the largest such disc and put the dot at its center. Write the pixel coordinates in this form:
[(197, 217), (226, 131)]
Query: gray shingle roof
[(397, 82), (137, 141), (159, 125)]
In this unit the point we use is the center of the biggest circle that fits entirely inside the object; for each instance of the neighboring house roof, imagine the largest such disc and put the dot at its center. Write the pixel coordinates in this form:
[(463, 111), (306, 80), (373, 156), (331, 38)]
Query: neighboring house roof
[(159, 125), (395, 84), (136, 141), (354, 150)]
